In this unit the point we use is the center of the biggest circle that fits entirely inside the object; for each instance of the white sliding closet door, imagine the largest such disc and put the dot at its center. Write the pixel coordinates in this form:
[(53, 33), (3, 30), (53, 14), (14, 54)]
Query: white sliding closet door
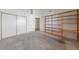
[(21, 24), (8, 25), (0, 26), (30, 23)]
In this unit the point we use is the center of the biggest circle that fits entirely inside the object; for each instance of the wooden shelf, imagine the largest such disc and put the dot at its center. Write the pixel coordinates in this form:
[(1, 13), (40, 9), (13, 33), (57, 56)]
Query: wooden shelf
[(56, 31), (69, 18), (57, 24), (70, 21), (73, 22), (48, 32), (60, 35), (48, 24), (58, 28), (62, 13), (48, 27), (57, 20), (48, 18), (66, 16), (47, 21), (65, 12), (67, 30)]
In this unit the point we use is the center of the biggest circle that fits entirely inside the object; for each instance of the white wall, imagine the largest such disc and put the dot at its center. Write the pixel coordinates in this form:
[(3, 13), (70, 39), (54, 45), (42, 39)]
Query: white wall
[(42, 24), (21, 24), (15, 11), (30, 23), (8, 25), (0, 26)]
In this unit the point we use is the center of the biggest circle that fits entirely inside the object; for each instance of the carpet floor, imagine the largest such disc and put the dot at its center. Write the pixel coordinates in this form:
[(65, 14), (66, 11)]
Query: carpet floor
[(37, 41)]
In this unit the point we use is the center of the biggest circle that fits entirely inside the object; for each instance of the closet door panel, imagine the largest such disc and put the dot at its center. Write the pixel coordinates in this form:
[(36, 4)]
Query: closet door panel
[(21, 24), (8, 25)]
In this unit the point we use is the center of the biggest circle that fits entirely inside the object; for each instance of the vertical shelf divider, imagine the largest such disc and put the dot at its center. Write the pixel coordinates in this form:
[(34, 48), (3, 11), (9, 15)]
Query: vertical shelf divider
[(78, 25), (52, 22)]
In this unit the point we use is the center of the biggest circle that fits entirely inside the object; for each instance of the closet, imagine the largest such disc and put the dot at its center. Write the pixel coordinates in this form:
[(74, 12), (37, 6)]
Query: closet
[(64, 25), (12, 25), (21, 25), (8, 25)]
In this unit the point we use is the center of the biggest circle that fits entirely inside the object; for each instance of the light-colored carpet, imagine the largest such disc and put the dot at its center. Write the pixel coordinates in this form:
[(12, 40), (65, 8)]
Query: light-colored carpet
[(36, 41)]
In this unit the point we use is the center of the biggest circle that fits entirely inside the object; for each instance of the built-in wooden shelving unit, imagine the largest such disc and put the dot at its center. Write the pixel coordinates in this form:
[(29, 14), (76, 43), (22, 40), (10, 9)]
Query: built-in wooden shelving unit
[(64, 24)]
